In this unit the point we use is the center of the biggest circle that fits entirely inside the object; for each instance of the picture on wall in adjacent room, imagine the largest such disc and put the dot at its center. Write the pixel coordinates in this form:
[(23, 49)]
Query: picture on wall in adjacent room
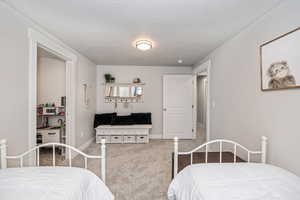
[(280, 62)]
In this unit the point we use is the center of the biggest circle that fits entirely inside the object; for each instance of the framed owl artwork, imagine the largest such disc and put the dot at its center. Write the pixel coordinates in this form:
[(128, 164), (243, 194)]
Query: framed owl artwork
[(280, 62)]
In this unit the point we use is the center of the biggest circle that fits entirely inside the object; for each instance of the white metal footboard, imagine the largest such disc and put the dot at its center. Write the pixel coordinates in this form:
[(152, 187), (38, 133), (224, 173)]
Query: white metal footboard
[(5, 157), (263, 151)]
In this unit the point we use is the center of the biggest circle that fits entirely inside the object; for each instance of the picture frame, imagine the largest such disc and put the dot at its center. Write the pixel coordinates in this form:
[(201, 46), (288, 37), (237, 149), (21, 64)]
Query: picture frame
[(280, 62)]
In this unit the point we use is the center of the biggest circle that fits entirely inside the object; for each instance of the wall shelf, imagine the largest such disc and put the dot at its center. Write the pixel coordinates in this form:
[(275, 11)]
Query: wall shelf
[(40, 115), (124, 92), (124, 84)]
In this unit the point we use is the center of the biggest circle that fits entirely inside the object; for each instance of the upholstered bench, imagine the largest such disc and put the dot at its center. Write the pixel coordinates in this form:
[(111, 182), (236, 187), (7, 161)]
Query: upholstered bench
[(133, 128)]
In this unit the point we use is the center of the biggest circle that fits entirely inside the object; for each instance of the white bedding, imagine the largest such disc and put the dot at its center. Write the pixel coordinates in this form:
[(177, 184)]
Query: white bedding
[(229, 181), (51, 183)]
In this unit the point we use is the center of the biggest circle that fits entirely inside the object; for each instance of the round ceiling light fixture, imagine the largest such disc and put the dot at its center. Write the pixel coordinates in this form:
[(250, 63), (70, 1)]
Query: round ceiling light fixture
[(180, 61), (143, 45)]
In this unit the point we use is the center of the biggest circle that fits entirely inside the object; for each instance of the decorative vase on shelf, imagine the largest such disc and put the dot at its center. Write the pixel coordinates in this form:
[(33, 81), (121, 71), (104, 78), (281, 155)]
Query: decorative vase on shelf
[(137, 80)]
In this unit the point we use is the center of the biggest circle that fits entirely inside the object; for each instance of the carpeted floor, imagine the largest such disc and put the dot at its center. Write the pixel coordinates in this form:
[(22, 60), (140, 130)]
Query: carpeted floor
[(137, 171)]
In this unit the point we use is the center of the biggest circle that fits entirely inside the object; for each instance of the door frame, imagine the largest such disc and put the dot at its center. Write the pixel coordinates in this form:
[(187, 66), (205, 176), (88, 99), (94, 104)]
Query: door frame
[(205, 70), (37, 39), (164, 104)]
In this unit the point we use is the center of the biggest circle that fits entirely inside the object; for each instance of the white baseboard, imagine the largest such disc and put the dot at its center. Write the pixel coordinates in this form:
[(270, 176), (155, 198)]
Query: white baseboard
[(156, 136)]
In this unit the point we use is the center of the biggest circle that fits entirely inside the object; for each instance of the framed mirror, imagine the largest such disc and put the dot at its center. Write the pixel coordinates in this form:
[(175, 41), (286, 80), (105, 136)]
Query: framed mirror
[(136, 91), (124, 91), (111, 91)]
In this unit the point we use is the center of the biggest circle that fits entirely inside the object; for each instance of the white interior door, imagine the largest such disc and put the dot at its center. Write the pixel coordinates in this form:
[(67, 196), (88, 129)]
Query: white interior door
[(178, 106)]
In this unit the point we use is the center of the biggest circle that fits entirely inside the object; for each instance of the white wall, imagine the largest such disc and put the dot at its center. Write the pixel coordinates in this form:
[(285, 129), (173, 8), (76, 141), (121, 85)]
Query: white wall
[(242, 111), (86, 74), (14, 83), (153, 99), (51, 84)]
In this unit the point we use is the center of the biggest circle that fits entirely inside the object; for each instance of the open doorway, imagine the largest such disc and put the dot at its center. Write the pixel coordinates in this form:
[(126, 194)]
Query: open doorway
[(202, 102), (201, 106), (55, 50), (51, 104)]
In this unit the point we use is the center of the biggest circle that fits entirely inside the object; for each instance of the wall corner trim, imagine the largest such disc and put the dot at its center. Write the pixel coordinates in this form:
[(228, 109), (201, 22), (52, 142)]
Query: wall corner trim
[(86, 144)]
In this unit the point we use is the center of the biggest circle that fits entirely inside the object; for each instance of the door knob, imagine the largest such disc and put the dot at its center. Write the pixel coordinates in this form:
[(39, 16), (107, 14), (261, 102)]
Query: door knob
[(164, 109)]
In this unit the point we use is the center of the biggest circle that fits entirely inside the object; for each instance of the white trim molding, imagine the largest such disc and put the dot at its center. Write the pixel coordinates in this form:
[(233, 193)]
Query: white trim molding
[(51, 45), (37, 39)]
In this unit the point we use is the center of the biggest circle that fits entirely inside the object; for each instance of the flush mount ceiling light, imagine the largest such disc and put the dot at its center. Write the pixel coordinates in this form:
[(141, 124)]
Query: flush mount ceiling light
[(143, 45), (180, 61)]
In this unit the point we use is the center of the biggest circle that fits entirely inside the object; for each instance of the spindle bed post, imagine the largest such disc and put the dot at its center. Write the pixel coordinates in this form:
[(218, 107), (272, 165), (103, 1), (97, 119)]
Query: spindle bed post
[(175, 156), (264, 143), (3, 155), (103, 160)]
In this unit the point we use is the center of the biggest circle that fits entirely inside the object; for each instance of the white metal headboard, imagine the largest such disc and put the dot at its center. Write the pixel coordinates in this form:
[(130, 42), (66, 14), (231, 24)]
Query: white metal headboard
[(4, 157), (263, 151)]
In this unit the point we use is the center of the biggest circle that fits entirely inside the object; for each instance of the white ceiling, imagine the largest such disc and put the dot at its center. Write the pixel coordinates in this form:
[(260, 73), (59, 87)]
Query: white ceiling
[(104, 30)]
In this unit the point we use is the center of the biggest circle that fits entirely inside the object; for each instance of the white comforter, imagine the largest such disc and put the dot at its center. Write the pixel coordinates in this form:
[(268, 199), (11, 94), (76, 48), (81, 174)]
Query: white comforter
[(240, 181), (51, 183)]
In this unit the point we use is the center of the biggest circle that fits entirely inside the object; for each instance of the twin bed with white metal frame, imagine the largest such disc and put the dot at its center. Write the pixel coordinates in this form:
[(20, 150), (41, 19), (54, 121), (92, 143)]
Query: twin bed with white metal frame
[(230, 181), (53, 183)]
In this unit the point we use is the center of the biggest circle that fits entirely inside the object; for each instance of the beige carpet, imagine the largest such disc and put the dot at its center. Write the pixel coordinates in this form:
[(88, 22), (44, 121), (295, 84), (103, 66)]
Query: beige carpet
[(137, 171)]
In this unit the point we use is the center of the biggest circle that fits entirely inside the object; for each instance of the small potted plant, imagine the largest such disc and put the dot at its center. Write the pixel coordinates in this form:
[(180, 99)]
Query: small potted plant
[(107, 78), (112, 79)]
